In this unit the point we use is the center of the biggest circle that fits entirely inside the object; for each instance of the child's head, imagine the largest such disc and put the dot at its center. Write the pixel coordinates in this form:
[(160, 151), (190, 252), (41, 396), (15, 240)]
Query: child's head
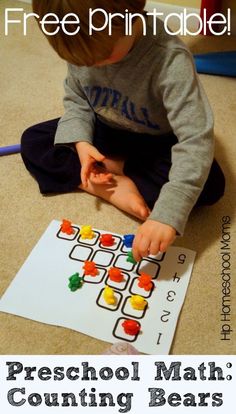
[(81, 49)]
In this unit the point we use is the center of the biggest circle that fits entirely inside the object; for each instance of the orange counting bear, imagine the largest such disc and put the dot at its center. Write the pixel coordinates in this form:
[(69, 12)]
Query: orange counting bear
[(90, 268), (145, 282), (115, 275), (66, 227)]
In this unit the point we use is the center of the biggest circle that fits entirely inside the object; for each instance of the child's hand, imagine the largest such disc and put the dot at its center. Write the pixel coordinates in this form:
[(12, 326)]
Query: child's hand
[(152, 237), (88, 156)]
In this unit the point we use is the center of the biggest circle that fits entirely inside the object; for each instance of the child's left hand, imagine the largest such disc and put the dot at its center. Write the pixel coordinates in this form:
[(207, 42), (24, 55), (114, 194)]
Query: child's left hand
[(152, 237)]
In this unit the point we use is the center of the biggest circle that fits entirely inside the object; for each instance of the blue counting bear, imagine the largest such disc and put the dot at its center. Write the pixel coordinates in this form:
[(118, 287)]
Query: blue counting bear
[(128, 240)]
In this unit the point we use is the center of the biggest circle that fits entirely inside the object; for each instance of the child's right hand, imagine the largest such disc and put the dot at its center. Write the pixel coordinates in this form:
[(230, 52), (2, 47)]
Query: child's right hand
[(88, 156)]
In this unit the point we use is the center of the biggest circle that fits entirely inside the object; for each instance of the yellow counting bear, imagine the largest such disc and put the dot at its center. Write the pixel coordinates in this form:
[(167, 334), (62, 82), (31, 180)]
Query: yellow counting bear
[(109, 296), (86, 232), (138, 302)]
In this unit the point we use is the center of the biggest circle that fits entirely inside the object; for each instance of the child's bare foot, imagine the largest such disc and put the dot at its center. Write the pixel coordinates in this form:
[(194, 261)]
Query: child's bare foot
[(114, 165), (122, 193)]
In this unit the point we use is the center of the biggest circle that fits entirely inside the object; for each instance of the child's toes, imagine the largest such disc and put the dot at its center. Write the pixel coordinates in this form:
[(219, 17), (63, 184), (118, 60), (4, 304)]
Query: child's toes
[(94, 178), (100, 178)]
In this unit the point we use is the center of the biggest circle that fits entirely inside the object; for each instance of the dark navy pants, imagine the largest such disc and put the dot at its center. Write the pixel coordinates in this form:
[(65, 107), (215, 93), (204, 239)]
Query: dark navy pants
[(147, 161)]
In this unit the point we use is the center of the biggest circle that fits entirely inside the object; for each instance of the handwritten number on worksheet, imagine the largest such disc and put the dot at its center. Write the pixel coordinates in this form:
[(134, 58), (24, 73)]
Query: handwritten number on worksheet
[(181, 258), (164, 317), (176, 278), (159, 338), (170, 296)]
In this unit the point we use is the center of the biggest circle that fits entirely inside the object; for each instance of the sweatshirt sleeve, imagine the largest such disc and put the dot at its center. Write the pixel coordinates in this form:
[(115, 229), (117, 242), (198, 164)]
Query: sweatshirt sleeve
[(191, 119), (77, 123)]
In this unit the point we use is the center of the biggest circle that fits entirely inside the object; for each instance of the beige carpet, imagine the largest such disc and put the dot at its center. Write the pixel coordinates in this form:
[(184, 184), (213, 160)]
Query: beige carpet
[(31, 77)]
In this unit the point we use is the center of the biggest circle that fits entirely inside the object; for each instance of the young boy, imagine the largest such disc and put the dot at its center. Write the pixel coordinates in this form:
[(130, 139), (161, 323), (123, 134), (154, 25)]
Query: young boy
[(137, 129)]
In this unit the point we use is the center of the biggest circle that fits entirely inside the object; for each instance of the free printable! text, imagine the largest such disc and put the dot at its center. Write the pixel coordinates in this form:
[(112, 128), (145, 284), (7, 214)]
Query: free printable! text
[(218, 24)]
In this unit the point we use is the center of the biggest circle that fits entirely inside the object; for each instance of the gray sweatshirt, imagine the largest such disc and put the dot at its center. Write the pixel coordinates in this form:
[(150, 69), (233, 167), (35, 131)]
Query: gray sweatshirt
[(153, 90)]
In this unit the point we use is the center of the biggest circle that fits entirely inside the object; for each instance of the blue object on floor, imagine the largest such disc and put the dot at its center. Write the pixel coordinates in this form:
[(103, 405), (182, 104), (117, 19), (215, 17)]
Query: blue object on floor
[(217, 63), (11, 149)]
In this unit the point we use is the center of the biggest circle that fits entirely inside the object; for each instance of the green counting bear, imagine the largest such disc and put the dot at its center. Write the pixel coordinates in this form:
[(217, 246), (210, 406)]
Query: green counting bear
[(75, 282), (130, 258)]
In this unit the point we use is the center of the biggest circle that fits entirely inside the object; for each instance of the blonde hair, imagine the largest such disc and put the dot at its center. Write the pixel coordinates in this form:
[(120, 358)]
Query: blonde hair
[(81, 49)]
